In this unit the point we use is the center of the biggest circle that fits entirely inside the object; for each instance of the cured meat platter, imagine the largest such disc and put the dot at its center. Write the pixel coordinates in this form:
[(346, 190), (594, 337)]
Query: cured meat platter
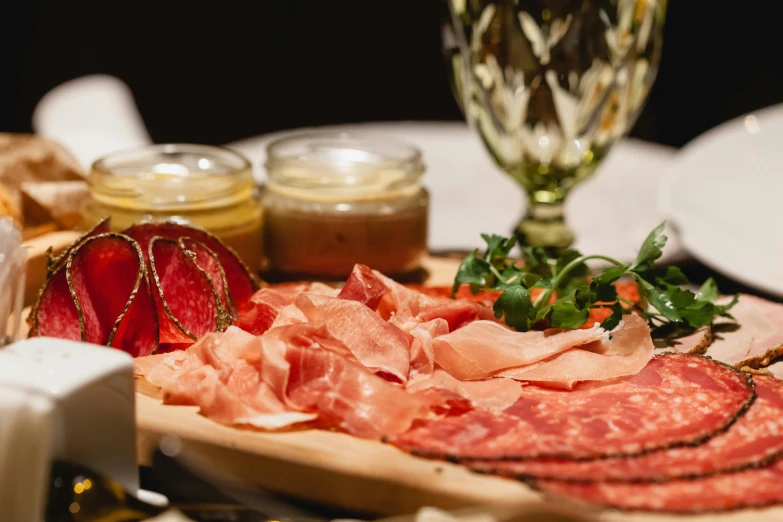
[(350, 473), (354, 474), (299, 393)]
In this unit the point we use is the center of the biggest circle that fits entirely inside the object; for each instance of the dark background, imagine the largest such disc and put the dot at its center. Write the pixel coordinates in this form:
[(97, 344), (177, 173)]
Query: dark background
[(216, 71)]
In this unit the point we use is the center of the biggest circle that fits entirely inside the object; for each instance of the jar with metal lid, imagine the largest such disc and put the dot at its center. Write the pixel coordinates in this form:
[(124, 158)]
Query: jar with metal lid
[(334, 200), (209, 187)]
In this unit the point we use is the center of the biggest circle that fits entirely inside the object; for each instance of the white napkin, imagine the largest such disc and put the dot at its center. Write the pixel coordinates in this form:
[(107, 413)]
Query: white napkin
[(91, 116)]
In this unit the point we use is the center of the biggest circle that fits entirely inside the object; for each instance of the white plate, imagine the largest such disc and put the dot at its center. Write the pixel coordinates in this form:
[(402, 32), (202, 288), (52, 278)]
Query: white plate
[(723, 193), (611, 213)]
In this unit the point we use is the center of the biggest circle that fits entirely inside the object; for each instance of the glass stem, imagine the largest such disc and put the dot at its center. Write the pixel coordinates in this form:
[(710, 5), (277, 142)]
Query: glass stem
[(544, 225)]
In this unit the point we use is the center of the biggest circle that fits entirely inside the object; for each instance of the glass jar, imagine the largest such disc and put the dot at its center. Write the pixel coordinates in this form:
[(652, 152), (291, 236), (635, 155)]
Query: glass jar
[(205, 186), (333, 200)]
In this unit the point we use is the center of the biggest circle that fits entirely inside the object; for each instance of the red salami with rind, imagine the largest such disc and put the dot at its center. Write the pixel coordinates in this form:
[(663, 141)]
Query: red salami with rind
[(754, 440), (93, 263), (209, 262), (138, 331), (676, 400), (241, 282), (54, 313), (188, 304), (53, 262), (752, 488)]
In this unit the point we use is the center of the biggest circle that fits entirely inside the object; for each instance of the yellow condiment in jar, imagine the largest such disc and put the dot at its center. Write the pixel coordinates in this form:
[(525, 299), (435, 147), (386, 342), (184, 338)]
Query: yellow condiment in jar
[(333, 200), (205, 186)]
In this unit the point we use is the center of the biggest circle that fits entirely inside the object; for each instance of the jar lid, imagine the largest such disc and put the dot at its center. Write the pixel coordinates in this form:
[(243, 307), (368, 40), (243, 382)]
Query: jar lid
[(336, 166), (172, 177)]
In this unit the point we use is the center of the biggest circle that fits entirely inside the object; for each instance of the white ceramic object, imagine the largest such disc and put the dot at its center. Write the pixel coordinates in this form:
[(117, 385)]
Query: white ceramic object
[(723, 192), (70, 401), (91, 116), (611, 213)]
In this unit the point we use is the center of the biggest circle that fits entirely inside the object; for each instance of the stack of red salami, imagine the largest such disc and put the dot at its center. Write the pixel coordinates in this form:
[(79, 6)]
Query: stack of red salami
[(155, 287)]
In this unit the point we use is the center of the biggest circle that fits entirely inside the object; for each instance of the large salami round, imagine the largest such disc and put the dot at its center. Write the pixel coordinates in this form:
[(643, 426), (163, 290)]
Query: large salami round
[(722, 492), (755, 438), (676, 400)]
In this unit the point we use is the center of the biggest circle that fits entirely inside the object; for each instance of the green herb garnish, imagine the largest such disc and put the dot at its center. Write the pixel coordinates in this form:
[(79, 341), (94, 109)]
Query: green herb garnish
[(671, 307)]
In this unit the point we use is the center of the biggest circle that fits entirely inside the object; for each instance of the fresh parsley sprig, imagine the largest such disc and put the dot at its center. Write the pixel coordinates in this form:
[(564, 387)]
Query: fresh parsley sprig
[(566, 294)]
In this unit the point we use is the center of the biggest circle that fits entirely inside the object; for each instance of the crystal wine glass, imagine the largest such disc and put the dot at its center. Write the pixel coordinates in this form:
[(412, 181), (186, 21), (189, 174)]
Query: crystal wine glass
[(550, 86)]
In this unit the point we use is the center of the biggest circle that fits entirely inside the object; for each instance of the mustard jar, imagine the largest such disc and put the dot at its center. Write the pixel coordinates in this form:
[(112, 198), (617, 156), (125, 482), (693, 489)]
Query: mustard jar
[(209, 187)]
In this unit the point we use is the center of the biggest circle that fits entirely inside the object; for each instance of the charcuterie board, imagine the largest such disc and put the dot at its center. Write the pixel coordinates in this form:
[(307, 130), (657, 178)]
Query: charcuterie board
[(359, 475), (340, 470)]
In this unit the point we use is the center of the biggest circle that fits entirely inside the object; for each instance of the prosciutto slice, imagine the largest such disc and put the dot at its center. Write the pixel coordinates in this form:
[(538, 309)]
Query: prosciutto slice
[(628, 351), (484, 348), (260, 312), (334, 385), (422, 355), (407, 308), (755, 338), (363, 286), (675, 400), (755, 438), (226, 389), (723, 492), (376, 344), (492, 394)]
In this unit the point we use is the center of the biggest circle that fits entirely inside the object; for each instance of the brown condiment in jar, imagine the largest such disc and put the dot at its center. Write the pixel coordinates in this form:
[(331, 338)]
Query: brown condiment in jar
[(335, 200)]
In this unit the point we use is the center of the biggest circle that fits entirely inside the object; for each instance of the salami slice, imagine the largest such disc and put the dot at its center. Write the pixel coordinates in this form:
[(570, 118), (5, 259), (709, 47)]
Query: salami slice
[(53, 262), (98, 259), (751, 488), (756, 438), (676, 400), (209, 262), (188, 304), (241, 282), (54, 313), (76, 303)]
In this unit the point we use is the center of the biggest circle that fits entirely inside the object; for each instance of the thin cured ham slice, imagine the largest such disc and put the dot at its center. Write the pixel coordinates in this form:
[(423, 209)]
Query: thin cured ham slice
[(484, 348), (422, 355), (341, 391), (674, 401), (261, 310), (491, 394), (225, 388), (363, 286), (755, 438), (755, 338), (628, 351), (722, 492), (376, 344), (407, 308)]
